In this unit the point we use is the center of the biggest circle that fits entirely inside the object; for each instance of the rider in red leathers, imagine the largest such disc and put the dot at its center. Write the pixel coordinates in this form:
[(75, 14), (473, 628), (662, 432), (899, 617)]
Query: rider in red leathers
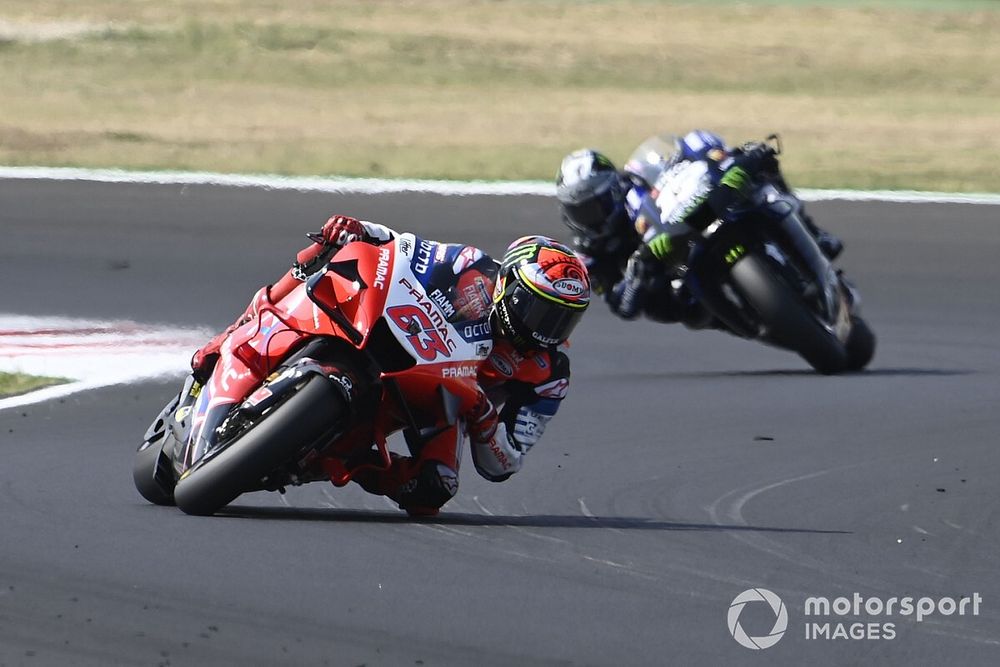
[(524, 308)]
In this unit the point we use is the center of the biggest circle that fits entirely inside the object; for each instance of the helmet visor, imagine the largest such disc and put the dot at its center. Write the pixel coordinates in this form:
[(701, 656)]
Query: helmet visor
[(592, 217), (546, 321)]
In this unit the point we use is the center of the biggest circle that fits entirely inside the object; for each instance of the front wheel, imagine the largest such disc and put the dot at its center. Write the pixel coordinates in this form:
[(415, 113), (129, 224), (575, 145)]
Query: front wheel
[(788, 321), (310, 416)]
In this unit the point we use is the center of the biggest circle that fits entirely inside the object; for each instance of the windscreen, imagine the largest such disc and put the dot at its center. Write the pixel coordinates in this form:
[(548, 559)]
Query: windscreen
[(652, 158)]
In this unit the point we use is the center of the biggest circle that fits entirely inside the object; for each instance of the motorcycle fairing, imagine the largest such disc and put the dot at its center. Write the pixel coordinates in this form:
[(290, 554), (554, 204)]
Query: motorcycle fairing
[(338, 302)]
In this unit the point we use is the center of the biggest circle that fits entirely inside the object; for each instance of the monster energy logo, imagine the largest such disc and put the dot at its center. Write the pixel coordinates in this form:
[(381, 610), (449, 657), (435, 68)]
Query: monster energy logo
[(660, 246), (603, 161), (736, 178), (518, 255), (734, 254)]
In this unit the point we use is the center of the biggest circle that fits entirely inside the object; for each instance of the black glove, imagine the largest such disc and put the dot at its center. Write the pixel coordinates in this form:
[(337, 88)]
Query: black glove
[(756, 157), (627, 297)]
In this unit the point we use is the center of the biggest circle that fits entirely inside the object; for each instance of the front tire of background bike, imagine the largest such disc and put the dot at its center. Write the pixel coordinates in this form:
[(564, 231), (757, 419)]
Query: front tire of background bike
[(788, 320)]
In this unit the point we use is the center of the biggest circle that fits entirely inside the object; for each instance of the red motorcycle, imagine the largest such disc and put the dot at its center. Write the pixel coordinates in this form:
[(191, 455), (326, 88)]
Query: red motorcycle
[(310, 389)]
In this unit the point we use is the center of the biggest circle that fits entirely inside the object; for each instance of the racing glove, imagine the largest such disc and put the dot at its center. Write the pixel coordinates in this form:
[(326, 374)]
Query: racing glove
[(628, 295), (481, 424), (340, 230)]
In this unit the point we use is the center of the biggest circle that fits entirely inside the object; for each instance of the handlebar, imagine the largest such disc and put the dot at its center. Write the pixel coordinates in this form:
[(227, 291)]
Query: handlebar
[(776, 138)]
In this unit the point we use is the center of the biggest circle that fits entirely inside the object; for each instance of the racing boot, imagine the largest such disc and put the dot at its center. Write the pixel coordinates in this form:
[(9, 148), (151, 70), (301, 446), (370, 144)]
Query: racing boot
[(380, 481), (434, 485), (419, 487), (204, 360), (421, 484)]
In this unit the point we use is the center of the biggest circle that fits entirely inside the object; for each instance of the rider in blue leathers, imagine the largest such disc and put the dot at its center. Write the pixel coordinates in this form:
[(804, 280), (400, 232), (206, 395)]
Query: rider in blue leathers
[(634, 228)]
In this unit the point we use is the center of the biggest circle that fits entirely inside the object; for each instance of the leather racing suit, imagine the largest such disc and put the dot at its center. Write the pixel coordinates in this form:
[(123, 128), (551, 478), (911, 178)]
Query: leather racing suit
[(527, 385)]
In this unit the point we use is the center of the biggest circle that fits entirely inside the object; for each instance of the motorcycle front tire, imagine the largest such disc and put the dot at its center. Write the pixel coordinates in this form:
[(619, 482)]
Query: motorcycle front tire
[(311, 415), (788, 321)]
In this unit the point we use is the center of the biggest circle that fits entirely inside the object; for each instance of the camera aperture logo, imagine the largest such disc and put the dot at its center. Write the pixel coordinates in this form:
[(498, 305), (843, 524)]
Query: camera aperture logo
[(857, 617), (780, 618)]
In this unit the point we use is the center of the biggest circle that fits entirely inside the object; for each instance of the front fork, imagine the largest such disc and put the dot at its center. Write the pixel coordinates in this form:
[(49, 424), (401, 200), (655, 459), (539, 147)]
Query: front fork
[(174, 423), (783, 211)]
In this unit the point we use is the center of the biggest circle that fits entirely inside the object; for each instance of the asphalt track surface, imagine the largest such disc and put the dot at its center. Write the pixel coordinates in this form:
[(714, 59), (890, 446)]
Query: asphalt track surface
[(684, 468)]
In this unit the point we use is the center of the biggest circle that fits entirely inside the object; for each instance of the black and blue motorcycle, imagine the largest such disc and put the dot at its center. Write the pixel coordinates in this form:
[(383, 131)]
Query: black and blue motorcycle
[(759, 271)]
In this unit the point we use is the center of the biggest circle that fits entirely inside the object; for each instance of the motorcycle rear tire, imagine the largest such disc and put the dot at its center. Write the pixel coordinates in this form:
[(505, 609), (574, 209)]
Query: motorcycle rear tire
[(860, 344), (152, 471), (313, 413), (788, 320), (152, 474)]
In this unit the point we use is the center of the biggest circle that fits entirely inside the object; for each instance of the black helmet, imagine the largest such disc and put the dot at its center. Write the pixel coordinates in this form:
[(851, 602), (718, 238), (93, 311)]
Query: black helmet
[(541, 292), (591, 195)]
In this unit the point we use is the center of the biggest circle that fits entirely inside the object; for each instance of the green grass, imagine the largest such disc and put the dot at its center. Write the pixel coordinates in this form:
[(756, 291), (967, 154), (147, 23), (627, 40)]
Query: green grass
[(12, 384), (866, 94)]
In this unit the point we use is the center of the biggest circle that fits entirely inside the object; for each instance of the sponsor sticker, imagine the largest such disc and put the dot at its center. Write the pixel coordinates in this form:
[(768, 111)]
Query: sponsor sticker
[(569, 287), (502, 364), (406, 245), (262, 394), (556, 389), (382, 268), (463, 371)]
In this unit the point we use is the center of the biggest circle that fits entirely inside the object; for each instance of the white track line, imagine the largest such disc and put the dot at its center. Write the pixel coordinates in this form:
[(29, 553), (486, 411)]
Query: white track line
[(91, 352), (340, 185), (344, 185)]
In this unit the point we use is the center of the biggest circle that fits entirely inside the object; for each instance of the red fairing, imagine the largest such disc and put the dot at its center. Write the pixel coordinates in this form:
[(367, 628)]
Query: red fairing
[(256, 348), (362, 300)]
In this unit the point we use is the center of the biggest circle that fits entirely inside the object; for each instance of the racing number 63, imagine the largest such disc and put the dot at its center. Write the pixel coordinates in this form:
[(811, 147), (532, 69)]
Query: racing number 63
[(422, 335)]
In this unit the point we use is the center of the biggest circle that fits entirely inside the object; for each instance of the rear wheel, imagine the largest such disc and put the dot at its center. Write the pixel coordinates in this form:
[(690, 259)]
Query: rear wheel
[(151, 470), (789, 322), (860, 344), (152, 475), (310, 416)]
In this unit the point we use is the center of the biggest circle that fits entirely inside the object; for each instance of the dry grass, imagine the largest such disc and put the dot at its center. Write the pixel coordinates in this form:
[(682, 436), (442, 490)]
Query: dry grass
[(886, 97)]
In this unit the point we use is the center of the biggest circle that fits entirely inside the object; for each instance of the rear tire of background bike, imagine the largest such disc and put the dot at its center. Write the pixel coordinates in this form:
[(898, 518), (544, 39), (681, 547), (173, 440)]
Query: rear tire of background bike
[(314, 412), (152, 473), (788, 320), (860, 344)]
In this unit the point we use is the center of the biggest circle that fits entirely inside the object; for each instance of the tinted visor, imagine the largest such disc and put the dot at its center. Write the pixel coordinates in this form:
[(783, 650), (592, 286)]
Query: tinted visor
[(545, 321), (592, 217)]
